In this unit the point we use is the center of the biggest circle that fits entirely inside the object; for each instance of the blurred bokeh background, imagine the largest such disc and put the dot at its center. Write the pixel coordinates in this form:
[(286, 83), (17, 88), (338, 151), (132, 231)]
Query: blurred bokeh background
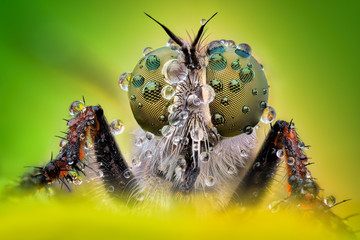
[(55, 52)]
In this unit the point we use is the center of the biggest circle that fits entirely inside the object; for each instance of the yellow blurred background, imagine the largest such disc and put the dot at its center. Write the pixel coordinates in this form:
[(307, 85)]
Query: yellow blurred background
[(55, 52)]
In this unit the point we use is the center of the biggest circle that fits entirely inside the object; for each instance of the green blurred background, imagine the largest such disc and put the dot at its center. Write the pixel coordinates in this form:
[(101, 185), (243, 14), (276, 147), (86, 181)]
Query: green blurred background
[(55, 52)]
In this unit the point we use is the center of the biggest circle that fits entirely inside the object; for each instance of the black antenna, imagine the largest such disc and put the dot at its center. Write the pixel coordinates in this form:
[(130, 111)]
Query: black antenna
[(196, 40), (171, 34), (177, 40)]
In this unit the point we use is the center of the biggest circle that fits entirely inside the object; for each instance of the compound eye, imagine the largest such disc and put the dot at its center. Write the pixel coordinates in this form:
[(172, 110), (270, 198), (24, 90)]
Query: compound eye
[(149, 93), (240, 85)]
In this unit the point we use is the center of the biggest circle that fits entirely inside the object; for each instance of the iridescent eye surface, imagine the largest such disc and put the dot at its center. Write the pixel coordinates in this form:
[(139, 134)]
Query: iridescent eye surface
[(148, 104), (240, 86)]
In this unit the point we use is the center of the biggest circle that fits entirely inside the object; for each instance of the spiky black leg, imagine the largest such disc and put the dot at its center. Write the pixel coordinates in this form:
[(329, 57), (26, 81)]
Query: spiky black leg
[(116, 174), (262, 171), (89, 124)]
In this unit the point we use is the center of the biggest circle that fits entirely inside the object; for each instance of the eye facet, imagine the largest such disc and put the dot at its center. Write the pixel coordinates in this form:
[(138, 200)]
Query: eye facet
[(149, 107), (240, 85)]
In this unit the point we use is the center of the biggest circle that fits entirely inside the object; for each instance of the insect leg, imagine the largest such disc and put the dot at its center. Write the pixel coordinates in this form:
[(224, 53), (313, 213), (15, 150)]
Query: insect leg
[(254, 184), (118, 177)]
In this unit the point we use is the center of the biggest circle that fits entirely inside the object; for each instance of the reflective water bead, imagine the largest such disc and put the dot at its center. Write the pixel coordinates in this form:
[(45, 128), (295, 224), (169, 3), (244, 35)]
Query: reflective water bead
[(127, 174), (196, 146), (136, 162), (203, 21), (204, 157), (280, 153), (268, 115), (243, 153), (147, 50), (149, 135), (111, 188), (171, 108), (76, 107), (301, 145), (208, 94), (197, 134), (124, 81), (230, 43), (100, 174), (177, 140), (148, 154), (243, 50), (168, 92), (210, 181), (174, 72), (184, 115), (88, 145), (138, 141), (170, 43), (231, 170), (117, 127), (308, 174), (167, 130), (63, 142), (330, 200), (290, 161)]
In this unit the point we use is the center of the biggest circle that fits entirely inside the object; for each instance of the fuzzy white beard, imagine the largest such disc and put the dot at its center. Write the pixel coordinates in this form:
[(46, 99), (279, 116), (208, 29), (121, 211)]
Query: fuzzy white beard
[(228, 163)]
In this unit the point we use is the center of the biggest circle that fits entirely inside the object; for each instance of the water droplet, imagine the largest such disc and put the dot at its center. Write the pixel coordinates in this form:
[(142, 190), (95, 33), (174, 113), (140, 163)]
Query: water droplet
[(243, 50), (140, 105), (168, 92), (204, 157), (152, 62), (208, 94), (147, 50), (174, 72), (262, 105), (136, 162), (172, 108), (177, 140), (217, 62), (100, 174), (280, 153), (243, 153), (236, 64), (117, 127), (254, 92), (230, 43), (261, 67), (170, 43), (248, 129), (127, 174), (193, 100), (132, 98), (63, 142), (301, 145), (196, 146), (138, 141), (218, 119), (149, 135), (167, 130), (148, 154), (268, 115), (264, 91), (111, 188), (203, 21), (216, 85), (88, 145), (138, 81), (290, 161), (330, 200), (275, 206), (124, 80), (184, 115), (245, 109), (162, 119), (210, 181), (308, 174), (225, 101), (197, 134), (231, 170), (215, 46), (76, 107)]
